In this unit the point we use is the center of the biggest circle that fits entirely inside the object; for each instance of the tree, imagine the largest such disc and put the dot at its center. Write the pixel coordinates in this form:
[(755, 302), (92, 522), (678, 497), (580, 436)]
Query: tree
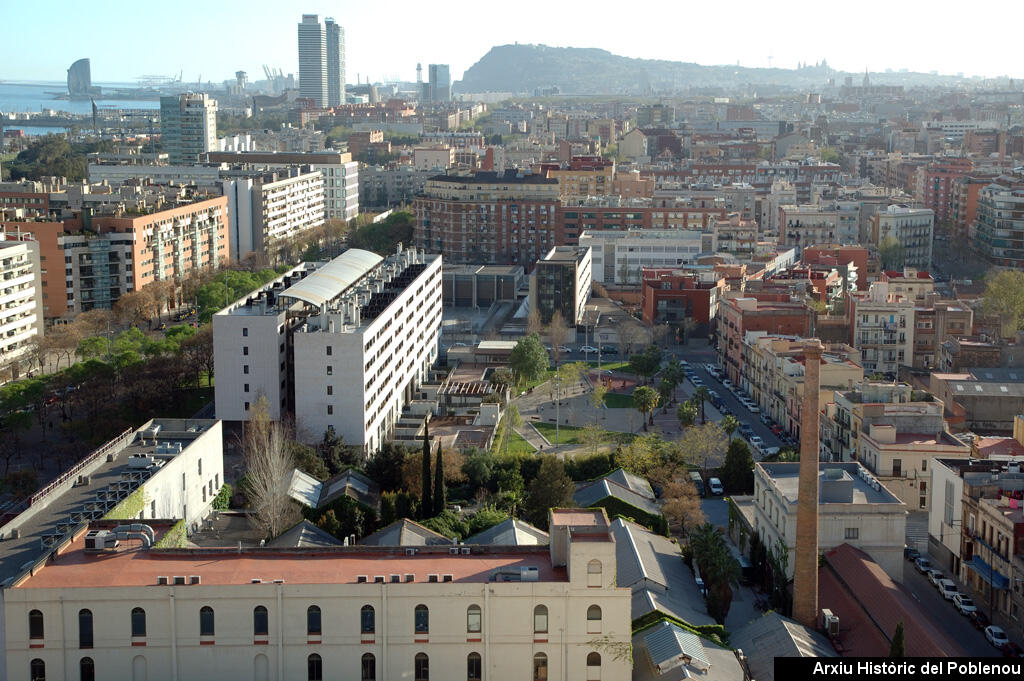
[(440, 488), (891, 253), (665, 389), (737, 472), (132, 307), (598, 393), (529, 359), (701, 395), (729, 424), (646, 363), (828, 155), (552, 488), (511, 420), (502, 378), (269, 466), (592, 436), (674, 374), (897, 645), (426, 500), (558, 332), (687, 414), (646, 401), (1004, 297), (703, 445), (639, 456), (477, 466), (534, 325), (721, 572), (385, 467), (679, 501), (486, 518)]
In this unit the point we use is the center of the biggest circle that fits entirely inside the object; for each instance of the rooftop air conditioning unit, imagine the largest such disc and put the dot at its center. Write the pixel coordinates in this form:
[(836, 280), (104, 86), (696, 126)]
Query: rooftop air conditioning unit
[(100, 540), (453, 551), (278, 581), (410, 552), (529, 574), (395, 579), (256, 580), (466, 551)]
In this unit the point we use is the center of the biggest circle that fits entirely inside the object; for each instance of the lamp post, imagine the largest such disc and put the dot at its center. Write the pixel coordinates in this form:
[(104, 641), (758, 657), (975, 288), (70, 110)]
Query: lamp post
[(558, 402)]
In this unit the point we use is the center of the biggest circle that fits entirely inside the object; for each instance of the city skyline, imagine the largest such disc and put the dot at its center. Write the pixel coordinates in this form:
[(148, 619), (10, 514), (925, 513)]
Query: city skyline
[(390, 52)]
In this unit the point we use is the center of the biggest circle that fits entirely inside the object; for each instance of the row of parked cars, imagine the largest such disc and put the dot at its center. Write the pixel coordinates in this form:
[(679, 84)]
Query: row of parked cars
[(756, 442), (964, 604)]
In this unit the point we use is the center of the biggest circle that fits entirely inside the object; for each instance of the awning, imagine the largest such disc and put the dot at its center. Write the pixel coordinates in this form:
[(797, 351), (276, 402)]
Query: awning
[(985, 571)]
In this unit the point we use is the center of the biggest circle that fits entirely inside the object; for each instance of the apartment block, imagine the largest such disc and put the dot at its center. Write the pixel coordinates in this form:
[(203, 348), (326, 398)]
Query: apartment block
[(672, 295), (437, 159), (999, 232), (21, 303), (383, 187), (583, 176), (741, 313), (882, 328), (853, 508), (342, 345), (188, 126), (487, 218), (935, 185), (620, 256), (362, 612), (913, 229), (735, 235), (561, 282)]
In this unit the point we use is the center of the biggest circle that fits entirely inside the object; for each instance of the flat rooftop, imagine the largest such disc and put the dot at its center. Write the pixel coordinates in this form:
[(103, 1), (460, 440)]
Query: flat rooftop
[(225, 566), (60, 507), (786, 478)]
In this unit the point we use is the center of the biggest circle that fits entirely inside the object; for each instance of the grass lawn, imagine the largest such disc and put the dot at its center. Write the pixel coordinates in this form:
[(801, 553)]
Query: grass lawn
[(544, 378), (570, 435), (612, 366), (618, 401), (516, 445)]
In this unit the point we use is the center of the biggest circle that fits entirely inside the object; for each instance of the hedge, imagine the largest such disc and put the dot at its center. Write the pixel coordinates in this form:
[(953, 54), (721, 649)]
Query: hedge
[(715, 633), (618, 508)]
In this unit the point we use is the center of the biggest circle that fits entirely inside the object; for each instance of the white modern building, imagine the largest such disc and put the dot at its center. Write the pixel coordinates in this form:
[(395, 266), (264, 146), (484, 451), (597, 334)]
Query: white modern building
[(356, 612), (617, 253), (188, 126), (853, 508), (313, 60), (21, 304), (912, 229), (270, 207), (342, 345), (116, 174), (335, 35)]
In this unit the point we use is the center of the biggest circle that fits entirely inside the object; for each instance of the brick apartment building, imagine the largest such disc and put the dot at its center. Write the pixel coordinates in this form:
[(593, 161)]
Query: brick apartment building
[(672, 295), (773, 313)]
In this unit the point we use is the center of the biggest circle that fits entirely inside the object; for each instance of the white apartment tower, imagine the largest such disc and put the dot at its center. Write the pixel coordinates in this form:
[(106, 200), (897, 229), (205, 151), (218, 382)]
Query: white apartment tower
[(313, 60), (21, 303), (335, 63), (188, 126), (342, 345)]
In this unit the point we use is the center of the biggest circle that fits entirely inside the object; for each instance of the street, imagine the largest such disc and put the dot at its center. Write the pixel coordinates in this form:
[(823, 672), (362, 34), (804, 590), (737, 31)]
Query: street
[(944, 616)]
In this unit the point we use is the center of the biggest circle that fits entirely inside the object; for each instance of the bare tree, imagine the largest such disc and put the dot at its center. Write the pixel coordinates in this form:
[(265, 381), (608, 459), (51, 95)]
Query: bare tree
[(133, 307), (533, 322), (558, 332), (269, 466)]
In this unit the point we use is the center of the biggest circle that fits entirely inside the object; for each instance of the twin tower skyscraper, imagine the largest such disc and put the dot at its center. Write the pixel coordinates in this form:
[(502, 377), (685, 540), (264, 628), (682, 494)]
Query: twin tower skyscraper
[(321, 61)]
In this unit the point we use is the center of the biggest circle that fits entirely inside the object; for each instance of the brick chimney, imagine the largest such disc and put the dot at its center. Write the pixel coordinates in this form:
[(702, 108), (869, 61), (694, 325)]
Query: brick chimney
[(805, 575)]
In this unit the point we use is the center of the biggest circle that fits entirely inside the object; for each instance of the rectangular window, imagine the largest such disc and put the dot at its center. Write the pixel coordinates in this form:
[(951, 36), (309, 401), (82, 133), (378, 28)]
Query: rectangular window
[(330, 409), (330, 390), (245, 331), (245, 350), (852, 533), (330, 370), (329, 350), (245, 388), (245, 368), (246, 406)]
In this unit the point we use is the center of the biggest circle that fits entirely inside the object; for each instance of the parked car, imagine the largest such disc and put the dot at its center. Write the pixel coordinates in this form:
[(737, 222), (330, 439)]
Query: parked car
[(948, 589), (756, 441), (724, 410), (935, 576), (745, 429), (564, 348), (698, 482), (588, 348), (609, 350), (964, 604), (1011, 649), (701, 588), (769, 452), (776, 430), (754, 409), (978, 619), (727, 383), (996, 636), (923, 565), (766, 420), (910, 553), (696, 381), (715, 485)]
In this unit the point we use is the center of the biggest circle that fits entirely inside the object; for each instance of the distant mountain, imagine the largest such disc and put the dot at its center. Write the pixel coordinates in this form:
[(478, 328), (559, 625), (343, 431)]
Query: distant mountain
[(591, 71)]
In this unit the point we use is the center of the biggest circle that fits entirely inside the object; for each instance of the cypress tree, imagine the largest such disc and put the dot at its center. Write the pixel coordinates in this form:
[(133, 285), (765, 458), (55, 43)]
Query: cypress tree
[(440, 489), (426, 504), (896, 647)]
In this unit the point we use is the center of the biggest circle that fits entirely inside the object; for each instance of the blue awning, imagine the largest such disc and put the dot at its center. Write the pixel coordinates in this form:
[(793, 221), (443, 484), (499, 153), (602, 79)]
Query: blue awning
[(985, 571)]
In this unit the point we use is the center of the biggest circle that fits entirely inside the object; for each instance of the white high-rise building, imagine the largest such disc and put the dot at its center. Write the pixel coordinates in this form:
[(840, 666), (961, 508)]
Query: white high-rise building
[(342, 345), (21, 304), (188, 126), (335, 63), (313, 60)]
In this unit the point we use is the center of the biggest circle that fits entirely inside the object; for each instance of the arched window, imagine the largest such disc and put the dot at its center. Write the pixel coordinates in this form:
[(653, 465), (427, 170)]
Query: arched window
[(206, 621), (422, 619), (138, 622), (421, 667), (369, 668), (37, 669), (593, 666), (594, 573), (540, 619), (85, 628), (35, 624), (474, 667), (260, 621), (313, 621), (86, 669), (540, 667), (473, 619), (367, 620), (594, 619), (314, 668)]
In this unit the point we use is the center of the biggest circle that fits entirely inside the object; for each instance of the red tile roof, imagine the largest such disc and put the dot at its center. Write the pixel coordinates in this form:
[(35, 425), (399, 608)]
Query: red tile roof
[(851, 575)]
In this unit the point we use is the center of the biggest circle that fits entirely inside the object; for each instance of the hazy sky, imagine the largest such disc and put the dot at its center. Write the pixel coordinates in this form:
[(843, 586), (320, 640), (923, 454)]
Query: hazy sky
[(386, 38)]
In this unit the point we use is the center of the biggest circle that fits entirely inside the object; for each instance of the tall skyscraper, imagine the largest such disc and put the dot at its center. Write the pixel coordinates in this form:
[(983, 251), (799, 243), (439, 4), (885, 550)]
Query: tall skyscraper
[(188, 126), (313, 60), (335, 63), (440, 83)]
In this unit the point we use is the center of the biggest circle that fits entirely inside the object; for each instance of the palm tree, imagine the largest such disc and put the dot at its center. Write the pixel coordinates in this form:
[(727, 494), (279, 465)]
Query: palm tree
[(673, 372), (665, 389), (686, 413), (729, 424), (646, 401), (703, 540), (721, 572), (701, 394)]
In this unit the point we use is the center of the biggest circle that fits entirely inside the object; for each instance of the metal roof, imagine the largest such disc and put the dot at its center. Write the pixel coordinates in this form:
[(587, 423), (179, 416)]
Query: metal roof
[(332, 279), (669, 646)]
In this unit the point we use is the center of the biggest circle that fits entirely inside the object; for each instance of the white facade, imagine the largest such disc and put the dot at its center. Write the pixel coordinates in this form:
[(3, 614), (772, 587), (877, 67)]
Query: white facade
[(433, 158), (912, 228), (615, 251), (188, 126), (883, 329), (313, 60), (21, 300), (851, 510), (273, 207), (349, 357), (341, 189), (271, 617), (114, 175)]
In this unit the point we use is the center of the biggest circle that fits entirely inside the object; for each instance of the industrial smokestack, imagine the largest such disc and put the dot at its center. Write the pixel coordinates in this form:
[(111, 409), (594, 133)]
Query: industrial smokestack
[(805, 574)]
